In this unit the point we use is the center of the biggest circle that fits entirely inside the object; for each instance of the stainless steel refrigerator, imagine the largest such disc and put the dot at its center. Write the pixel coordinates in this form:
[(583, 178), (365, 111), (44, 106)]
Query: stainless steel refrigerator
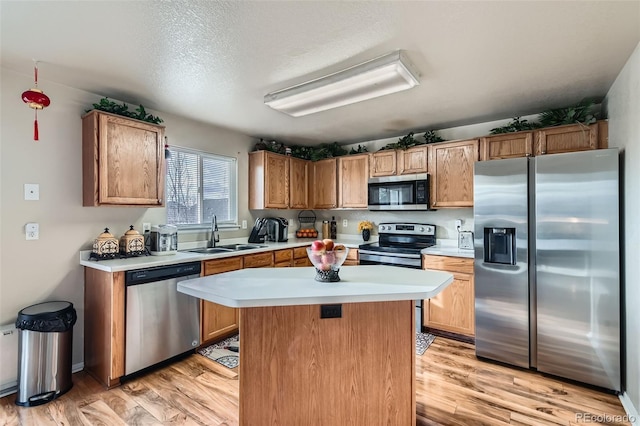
[(547, 266)]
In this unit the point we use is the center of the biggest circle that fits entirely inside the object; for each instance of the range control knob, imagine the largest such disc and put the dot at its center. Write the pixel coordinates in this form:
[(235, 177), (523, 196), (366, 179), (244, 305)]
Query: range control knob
[(422, 229)]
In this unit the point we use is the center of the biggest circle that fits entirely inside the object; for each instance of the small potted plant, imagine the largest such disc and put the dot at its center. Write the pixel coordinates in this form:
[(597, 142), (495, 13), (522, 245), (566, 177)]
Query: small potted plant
[(365, 228)]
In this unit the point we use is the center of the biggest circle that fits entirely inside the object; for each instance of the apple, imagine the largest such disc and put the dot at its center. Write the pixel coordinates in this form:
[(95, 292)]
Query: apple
[(329, 258), (318, 246), (316, 258), (328, 244), (324, 266), (338, 247)]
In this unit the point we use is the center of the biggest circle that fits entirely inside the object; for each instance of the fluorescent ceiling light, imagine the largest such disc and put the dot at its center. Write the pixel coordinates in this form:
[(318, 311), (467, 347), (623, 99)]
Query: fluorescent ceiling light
[(387, 74)]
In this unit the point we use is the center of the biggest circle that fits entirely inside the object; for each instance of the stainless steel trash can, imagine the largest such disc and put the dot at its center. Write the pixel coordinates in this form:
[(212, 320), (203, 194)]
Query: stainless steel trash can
[(45, 346)]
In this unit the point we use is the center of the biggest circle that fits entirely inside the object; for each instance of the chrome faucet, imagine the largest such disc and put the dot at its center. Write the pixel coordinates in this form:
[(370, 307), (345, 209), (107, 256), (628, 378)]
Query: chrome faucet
[(215, 237)]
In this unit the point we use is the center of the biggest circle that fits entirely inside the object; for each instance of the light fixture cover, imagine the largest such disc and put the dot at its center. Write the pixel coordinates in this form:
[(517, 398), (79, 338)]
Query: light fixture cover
[(387, 74)]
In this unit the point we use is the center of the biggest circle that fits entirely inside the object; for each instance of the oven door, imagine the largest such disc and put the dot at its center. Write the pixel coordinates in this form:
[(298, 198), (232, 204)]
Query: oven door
[(396, 259)]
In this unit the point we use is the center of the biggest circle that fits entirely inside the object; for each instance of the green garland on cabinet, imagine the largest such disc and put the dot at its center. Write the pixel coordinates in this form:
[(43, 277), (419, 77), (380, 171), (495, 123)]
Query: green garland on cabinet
[(140, 114)]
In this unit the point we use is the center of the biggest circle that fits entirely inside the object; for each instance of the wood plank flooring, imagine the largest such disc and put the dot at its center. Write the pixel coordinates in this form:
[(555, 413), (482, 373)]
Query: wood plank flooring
[(453, 388)]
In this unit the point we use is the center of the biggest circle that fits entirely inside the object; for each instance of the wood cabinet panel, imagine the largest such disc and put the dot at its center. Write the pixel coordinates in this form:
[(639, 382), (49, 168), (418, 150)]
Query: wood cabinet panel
[(122, 161), (353, 179), (268, 180), (305, 261), (413, 160), (298, 183), (216, 320), (454, 308), (510, 145), (447, 263), (574, 137), (104, 304), (300, 252), (353, 258), (258, 260), (451, 168), (285, 255), (324, 178), (383, 163)]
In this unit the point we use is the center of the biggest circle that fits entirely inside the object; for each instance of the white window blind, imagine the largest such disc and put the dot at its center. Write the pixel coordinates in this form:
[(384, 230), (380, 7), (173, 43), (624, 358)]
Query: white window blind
[(200, 185)]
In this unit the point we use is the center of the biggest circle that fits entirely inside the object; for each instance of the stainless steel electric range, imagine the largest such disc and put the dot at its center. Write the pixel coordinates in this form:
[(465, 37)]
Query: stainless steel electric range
[(400, 245)]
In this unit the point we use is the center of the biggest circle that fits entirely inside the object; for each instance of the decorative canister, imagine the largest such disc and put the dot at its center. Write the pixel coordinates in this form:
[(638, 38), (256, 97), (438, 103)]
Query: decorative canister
[(132, 243), (106, 245)]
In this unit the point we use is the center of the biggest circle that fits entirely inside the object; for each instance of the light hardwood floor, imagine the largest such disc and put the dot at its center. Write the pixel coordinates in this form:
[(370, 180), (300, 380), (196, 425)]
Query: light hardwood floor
[(453, 388)]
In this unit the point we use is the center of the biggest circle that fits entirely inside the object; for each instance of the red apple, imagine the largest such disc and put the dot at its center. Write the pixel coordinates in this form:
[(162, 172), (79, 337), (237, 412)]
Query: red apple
[(328, 244), (318, 246), (316, 258), (329, 258), (324, 266)]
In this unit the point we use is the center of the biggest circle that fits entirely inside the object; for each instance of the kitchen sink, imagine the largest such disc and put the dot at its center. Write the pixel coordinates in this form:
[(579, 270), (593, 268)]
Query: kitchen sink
[(225, 248), (210, 250), (236, 247)]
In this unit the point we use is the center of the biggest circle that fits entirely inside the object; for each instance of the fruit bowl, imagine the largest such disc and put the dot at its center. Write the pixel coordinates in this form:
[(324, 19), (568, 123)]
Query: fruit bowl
[(327, 263)]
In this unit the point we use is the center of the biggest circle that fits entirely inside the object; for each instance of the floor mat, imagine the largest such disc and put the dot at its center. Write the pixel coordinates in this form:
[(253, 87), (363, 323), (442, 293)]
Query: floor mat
[(423, 340), (219, 354)]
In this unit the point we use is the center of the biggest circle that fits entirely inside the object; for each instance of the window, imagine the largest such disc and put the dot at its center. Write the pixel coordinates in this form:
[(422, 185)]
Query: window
[(200, 185)]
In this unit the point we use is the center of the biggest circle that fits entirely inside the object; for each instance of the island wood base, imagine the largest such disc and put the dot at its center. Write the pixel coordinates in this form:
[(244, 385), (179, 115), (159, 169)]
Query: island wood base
[(298, 369)]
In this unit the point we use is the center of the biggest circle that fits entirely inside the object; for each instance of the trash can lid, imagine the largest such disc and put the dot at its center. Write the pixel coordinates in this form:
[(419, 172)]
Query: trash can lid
[(47, 316)]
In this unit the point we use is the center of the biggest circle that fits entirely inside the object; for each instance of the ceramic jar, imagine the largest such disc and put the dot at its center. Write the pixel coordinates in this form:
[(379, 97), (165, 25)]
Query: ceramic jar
[(106, 245), (132, 243)]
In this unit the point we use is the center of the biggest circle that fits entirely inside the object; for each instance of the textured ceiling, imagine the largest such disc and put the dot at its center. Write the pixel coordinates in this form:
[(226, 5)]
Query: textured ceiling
[(215, 61)]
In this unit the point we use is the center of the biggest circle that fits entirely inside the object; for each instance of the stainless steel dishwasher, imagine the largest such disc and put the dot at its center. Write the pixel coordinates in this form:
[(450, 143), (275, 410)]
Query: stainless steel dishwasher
[(160, 322)]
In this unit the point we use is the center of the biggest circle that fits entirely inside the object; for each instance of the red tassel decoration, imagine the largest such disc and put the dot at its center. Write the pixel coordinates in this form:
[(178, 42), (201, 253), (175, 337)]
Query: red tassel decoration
[(35, 128)]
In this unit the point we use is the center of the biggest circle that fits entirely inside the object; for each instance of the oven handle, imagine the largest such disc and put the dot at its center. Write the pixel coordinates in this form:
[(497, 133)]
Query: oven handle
[(387, 254)]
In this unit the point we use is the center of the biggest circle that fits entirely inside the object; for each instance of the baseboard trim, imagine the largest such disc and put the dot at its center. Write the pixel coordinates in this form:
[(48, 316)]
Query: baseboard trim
[(13, 389), (449, 335), (632, 412)]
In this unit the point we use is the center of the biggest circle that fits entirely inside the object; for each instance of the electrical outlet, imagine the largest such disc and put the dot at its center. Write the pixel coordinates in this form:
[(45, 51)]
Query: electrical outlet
[(345, 223), (458, 223), (146, 227), (32, 231), (244, 224)]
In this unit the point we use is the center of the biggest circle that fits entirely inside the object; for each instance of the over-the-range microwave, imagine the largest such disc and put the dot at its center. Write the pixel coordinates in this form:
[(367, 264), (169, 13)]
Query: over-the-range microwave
[(405, 192)]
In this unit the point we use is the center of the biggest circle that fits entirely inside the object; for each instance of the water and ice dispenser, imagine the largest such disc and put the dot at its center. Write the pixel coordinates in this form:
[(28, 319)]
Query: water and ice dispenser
[(500, 245)]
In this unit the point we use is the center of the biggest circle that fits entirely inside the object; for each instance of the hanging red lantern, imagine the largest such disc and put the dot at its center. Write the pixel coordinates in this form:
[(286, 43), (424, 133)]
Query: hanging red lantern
[(36, 99)]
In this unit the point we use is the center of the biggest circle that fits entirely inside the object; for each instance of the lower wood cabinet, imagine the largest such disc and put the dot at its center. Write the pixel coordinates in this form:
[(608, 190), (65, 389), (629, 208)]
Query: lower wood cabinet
[(283, 258), (353, 258), (300, 257), (453, 310), (217, 320)]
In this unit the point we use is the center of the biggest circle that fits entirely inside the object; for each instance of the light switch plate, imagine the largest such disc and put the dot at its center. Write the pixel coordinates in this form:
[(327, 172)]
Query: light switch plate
[(31, 191)]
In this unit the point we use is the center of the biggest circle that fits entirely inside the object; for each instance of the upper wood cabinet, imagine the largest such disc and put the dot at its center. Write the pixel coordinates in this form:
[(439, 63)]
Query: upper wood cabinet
[(383, 163), (268, 180), (353, 172), (574, 137), (509, 145), (122, 161), (413, 160), (451, 171), (324, 184), (298, 183)]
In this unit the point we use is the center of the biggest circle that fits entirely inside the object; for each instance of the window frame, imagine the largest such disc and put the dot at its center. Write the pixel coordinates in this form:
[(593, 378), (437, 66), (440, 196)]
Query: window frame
[(233, 190)]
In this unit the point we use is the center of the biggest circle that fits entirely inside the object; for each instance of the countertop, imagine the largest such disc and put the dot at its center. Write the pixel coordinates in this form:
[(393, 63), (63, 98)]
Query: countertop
[(448, 248), (296, 286), (116, 265)]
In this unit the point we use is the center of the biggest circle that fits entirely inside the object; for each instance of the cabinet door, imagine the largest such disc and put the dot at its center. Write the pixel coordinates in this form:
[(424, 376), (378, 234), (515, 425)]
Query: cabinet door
[(325, 195), (218, 320), (453, 309), (574, 137), (123, 161), (413, 160), (268, 180), (258, 260), (298, 183), (451, 168), (354, 176), (383, 163), (511, 145)]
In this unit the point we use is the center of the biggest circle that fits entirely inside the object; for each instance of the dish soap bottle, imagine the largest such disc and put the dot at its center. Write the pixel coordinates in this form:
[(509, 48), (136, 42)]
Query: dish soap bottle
[(334, 228)]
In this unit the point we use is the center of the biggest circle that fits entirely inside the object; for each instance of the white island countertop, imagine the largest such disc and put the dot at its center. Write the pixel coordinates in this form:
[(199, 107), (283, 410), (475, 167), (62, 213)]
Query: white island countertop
[(249, 288)]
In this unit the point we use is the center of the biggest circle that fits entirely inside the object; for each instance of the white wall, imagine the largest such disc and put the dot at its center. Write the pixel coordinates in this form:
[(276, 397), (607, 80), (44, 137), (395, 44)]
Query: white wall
[(623, 108), (48, 269)]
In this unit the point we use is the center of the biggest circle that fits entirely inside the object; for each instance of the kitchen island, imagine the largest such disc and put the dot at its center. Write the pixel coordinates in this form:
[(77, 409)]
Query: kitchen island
[(325, 353)]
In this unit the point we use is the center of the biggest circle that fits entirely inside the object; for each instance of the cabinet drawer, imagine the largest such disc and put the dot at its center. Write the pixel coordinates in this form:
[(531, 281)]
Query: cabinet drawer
[(280, 256), (302, 262), (448, 263), (219, 266), (352, 255), (258, 260), (300, 252)]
